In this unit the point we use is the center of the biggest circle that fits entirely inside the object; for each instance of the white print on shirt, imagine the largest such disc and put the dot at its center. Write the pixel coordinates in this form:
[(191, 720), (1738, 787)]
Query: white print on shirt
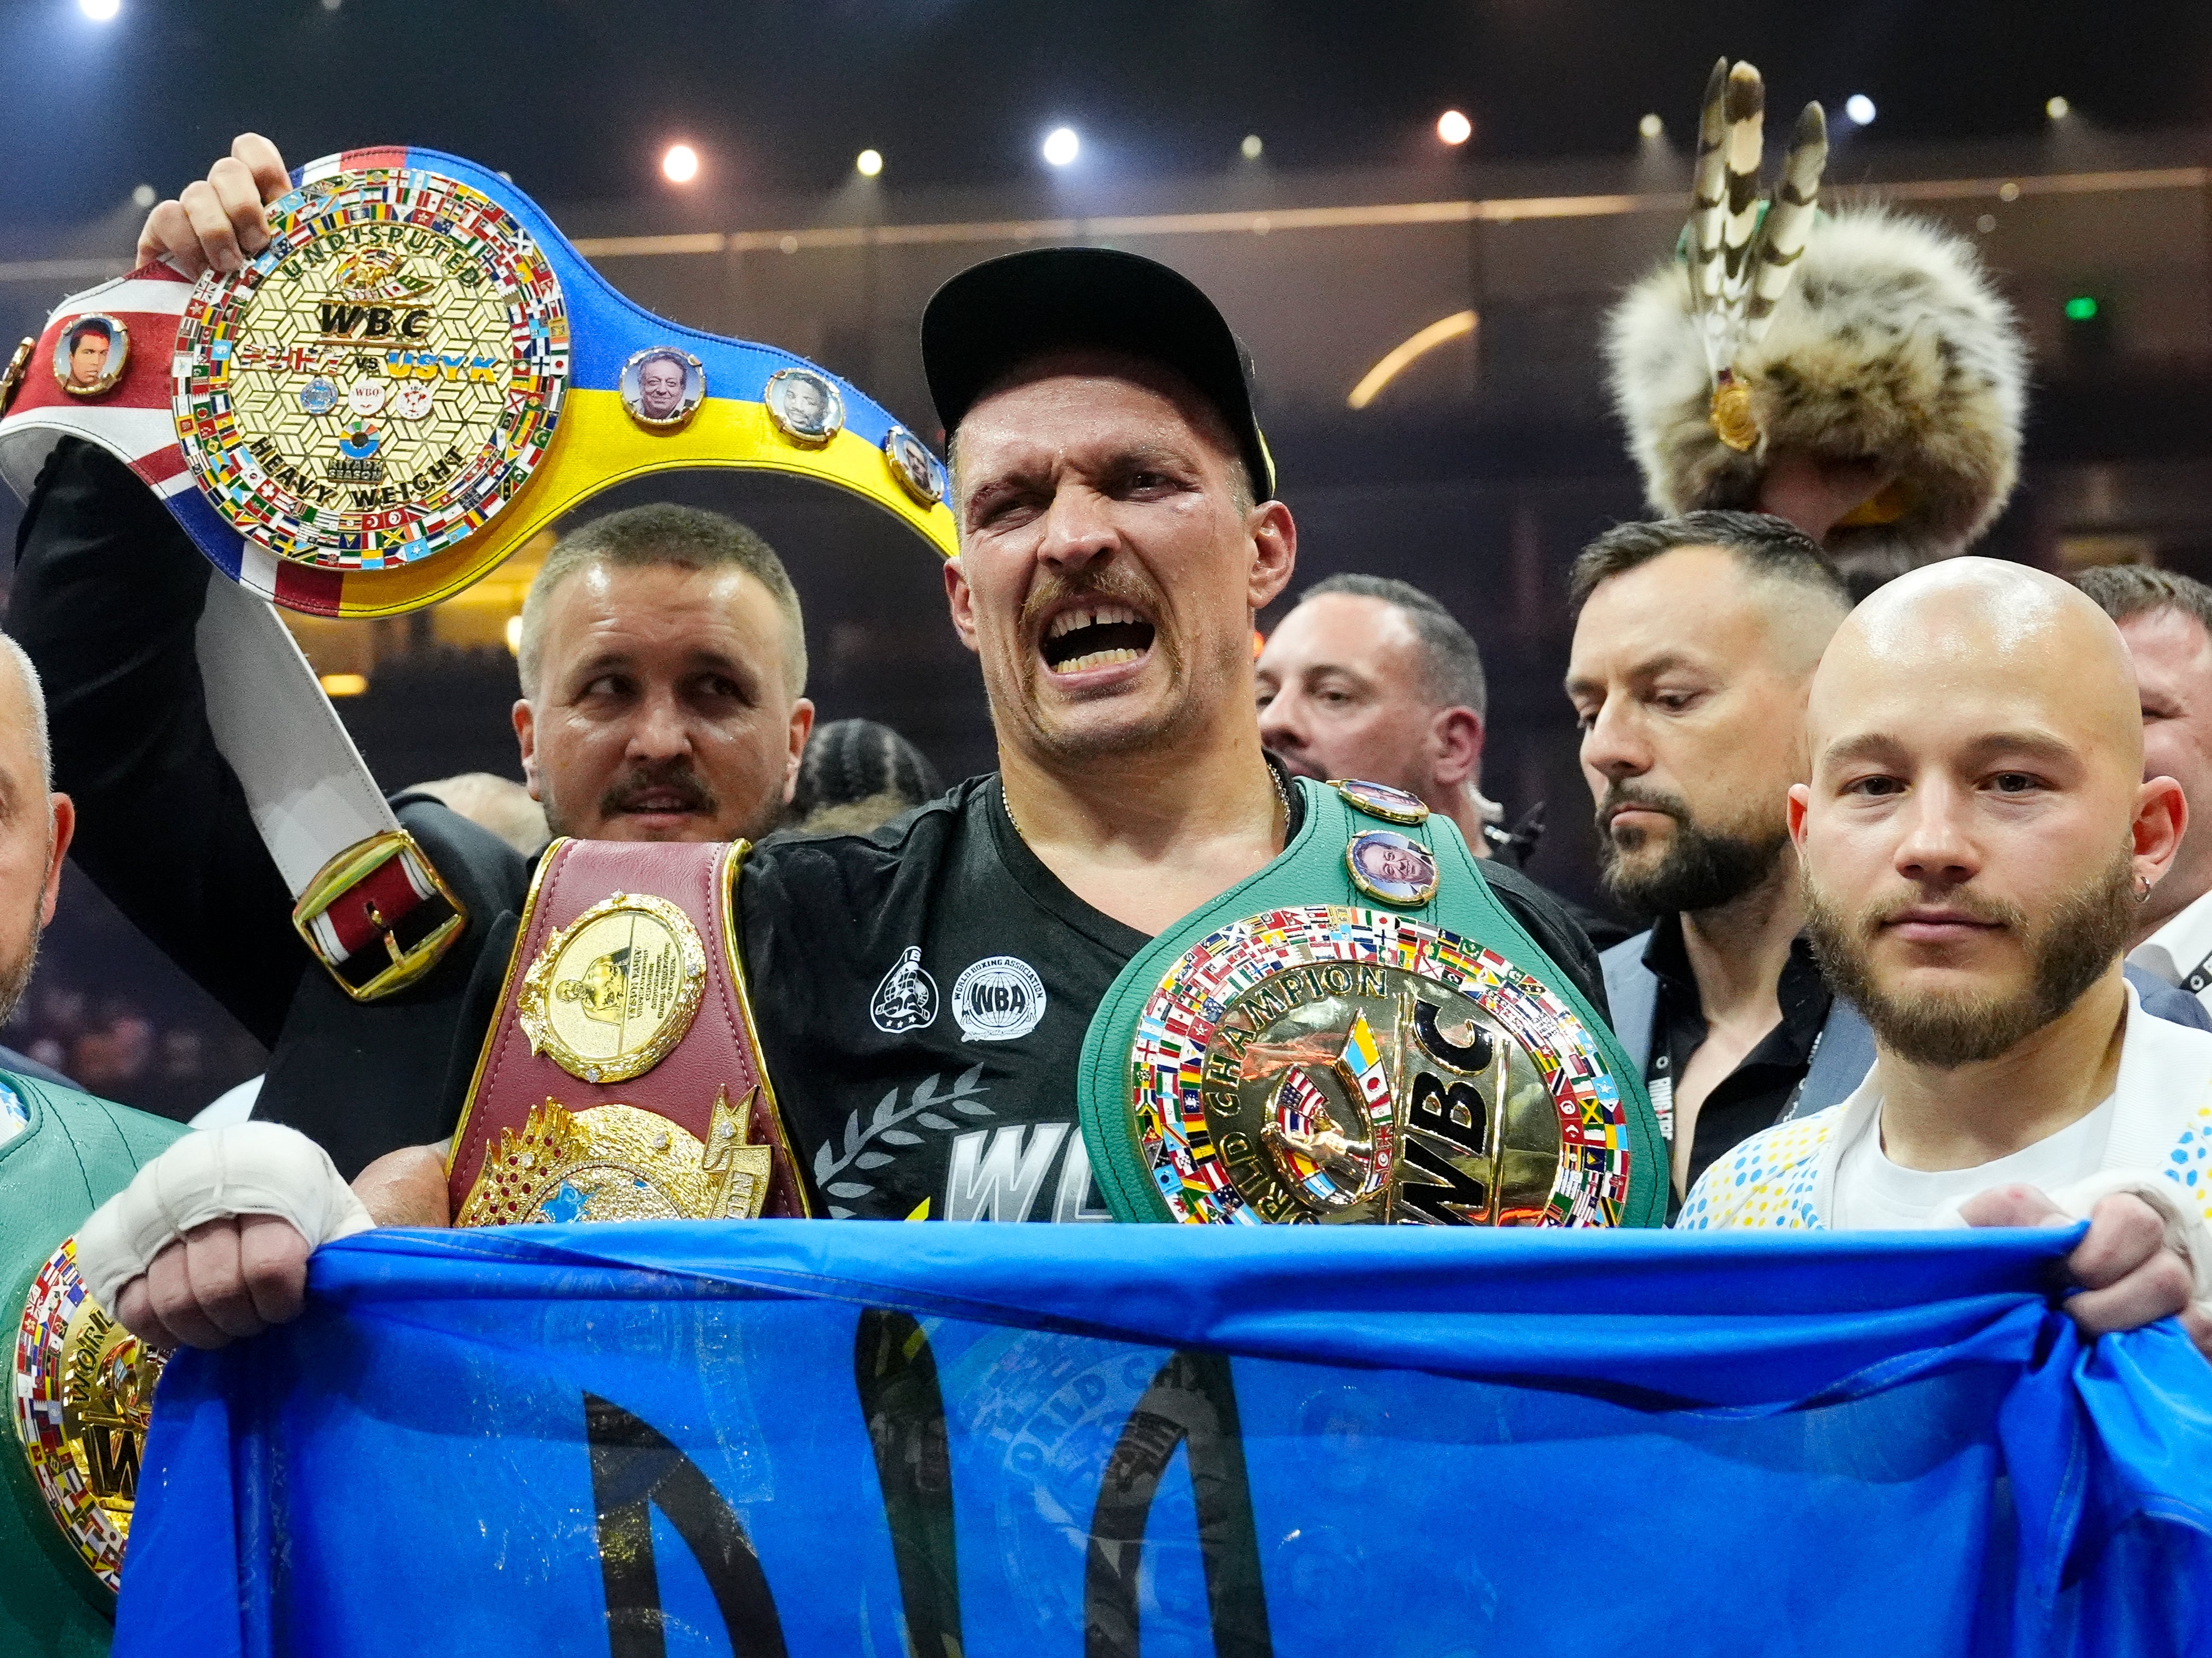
[(996, 1174), (892, 1124), (906, 998), (998, 998)]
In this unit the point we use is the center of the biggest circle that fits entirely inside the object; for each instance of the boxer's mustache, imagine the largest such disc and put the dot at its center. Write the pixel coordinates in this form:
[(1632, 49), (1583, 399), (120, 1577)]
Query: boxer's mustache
[(671, 777)]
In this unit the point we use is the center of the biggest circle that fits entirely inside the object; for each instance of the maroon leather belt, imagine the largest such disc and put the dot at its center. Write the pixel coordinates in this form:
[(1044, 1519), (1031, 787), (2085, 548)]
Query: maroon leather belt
[(622, 1079)]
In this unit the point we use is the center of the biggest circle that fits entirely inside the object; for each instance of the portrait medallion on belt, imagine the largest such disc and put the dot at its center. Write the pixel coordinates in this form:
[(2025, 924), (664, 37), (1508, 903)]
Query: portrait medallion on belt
[(913, 466), (382, 379), (611, 993), (84, 1392), (806, 407), (1381, 800), (662, 387), (91, 355), (1328, 1064), (1393, 867)]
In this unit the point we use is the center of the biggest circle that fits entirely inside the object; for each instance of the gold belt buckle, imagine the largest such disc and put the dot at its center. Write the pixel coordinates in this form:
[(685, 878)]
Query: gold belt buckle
[(378, 915)]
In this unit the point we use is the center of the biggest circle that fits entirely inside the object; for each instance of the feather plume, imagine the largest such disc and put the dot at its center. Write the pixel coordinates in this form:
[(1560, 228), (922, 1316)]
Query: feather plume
[(1789, 220), (1746, 111), (1708, 187), (1892, 345)]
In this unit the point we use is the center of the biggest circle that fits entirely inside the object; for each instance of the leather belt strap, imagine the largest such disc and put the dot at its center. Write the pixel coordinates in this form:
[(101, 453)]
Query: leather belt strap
[(622, 1079)]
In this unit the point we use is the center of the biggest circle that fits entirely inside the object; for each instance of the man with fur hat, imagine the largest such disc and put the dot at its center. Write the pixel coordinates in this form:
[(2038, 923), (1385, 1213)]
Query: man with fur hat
[(1856, 376), (1854, 373)]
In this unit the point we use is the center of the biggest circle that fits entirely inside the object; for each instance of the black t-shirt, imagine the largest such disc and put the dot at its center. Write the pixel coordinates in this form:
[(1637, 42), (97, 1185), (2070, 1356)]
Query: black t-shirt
[(923, 994), (1755, 1094)]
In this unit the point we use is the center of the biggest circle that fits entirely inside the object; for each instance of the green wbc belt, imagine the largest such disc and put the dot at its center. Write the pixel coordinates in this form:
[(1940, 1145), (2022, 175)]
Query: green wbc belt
[(1361, 1032)]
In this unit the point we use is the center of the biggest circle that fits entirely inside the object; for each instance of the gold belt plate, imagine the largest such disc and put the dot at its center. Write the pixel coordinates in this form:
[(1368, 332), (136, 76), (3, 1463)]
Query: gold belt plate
[(617, 1162), (84, 1392)]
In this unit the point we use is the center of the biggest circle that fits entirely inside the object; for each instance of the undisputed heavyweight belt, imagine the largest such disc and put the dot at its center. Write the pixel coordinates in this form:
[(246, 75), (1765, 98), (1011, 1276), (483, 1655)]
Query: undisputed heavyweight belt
[(84, 1394), (1361, 1032), (622, 1079), (415, 376)]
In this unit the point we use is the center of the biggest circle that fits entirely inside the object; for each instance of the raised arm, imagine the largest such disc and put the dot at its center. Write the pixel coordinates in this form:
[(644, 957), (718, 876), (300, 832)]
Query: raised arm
[(108, 589)]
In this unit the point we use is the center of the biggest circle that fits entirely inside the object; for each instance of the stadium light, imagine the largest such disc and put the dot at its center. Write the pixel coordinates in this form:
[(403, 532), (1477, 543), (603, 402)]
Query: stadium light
[(100, 11), (1651, 126), (1061, 146), (1860, 108), (680, 166), (869, 163), (1251, 147), (2057, 109), (1453, 128)]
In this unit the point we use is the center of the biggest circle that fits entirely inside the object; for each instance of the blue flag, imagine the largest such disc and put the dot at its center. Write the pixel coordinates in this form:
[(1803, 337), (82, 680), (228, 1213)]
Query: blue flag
[(979, 1442)]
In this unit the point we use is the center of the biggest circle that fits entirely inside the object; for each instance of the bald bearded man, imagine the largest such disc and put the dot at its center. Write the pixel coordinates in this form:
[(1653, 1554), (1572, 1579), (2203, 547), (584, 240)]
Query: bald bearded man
[(1974, 844)]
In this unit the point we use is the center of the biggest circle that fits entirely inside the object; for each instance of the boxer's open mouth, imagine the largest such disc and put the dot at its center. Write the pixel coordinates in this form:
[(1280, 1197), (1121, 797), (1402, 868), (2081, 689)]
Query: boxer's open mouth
[(1095, 634)]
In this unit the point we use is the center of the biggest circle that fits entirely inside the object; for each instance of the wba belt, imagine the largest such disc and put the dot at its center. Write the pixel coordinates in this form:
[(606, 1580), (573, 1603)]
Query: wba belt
[(416, 375), (622, 1079), (1361, 1032)]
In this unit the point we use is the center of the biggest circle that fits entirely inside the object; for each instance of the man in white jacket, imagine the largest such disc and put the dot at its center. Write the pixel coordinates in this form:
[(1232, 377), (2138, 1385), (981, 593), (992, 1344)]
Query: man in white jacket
[(1975, 842)]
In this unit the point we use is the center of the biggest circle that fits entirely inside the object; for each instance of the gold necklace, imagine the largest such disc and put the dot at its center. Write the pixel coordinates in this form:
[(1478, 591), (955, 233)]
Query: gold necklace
[(1282, 799)]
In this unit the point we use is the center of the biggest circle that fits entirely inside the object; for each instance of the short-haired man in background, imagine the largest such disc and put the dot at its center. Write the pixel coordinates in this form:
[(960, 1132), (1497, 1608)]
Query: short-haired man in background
[(1695, 639), (1975, 842), (2167, 621), (664, 665), (1371, 677)]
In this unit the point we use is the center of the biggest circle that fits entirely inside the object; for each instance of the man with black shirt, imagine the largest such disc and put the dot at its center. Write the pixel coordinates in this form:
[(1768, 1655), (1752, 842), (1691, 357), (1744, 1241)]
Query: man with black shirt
[(1695, 639), (922, 995)]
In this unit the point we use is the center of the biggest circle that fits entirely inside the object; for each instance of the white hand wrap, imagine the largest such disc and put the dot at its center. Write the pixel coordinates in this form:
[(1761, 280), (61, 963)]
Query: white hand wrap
[(247, 1169), (2185, 1232)]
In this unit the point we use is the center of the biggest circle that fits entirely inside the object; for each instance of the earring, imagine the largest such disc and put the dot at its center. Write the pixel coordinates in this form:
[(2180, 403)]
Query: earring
[(2143, 891)]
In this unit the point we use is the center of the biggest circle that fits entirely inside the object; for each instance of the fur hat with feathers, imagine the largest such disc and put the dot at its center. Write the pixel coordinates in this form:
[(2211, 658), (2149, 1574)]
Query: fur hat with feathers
[(1891, 346)]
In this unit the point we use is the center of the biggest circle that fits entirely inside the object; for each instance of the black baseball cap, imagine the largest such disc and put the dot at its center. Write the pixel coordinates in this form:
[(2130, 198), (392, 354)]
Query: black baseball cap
[(994, 317)]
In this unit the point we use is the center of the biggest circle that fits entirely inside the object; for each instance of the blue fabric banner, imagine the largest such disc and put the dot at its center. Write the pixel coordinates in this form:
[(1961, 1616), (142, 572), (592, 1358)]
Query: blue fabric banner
[(965, 1442)]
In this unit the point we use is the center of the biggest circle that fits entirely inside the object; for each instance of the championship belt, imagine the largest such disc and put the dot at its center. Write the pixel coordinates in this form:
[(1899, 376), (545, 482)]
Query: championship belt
[(84, 1392), (622, 1079), (1361, 1032), (416, 375)]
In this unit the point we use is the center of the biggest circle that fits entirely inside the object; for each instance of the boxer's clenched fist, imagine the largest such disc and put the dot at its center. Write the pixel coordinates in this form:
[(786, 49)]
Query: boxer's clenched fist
[(217, 223)]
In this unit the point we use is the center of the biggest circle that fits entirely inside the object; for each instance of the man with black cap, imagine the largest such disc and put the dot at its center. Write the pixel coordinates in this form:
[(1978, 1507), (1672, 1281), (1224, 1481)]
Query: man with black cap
[(919, 997)]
